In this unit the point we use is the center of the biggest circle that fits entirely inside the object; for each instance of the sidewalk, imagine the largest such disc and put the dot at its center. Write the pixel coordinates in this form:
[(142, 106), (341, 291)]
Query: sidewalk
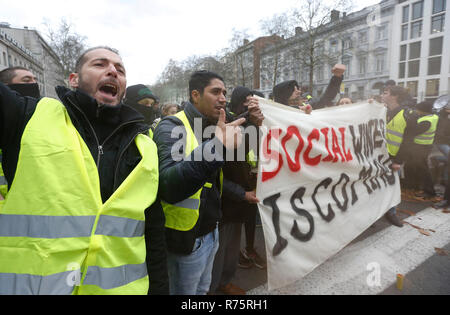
[(380, 235)]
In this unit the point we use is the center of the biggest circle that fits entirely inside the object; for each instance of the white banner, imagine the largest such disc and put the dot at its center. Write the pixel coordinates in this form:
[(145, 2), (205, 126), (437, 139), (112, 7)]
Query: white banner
[(323, 179)]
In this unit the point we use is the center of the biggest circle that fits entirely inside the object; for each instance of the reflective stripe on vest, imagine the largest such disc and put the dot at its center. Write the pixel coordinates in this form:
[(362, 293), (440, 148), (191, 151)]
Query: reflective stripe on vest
[(394, 133), (183, 215), (427, 138), (65, 240)]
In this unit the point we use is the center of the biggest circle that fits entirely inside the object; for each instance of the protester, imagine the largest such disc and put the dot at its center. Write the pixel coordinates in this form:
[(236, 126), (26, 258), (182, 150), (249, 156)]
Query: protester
[(190, 171), (407, 100), (345, 101), (89, 216), (417, 172), (442, 141), (290, 92), (401, 126), (238, 206), (21, 80), (142, 100), (24, 82), (167, 110)]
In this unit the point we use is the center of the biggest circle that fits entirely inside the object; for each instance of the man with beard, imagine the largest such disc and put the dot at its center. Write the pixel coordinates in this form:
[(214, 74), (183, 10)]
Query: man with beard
[(82, 214)]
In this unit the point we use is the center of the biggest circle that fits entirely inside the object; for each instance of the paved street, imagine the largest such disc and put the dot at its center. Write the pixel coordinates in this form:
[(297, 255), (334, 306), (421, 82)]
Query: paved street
[(420, 251)]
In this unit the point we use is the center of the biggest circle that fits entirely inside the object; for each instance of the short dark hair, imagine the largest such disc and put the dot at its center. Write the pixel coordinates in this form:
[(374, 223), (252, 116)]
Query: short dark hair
[(400, 92), (81, 60), (8, 74), (200, 80)]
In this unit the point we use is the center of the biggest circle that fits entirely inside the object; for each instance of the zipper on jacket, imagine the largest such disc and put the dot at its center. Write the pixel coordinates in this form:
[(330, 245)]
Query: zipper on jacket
[(101, 146), (120, 158)]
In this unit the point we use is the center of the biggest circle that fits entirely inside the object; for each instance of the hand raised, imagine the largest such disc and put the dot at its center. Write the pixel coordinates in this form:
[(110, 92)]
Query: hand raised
[(229, 134)]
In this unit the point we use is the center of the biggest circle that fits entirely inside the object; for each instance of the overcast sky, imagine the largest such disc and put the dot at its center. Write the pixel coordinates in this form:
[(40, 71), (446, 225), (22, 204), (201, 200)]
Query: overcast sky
[(149, 33)]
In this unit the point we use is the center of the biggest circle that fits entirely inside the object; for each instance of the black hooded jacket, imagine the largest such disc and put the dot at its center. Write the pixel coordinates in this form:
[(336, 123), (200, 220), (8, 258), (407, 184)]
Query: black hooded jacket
[(108, 132), (283, 91), (180, 178)]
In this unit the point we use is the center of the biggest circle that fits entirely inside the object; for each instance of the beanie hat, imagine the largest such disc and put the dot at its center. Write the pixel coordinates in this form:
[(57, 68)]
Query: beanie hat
[(283, 91), (136, 93)]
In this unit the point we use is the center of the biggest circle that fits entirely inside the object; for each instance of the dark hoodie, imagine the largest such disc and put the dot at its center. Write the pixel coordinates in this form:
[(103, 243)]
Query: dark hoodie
[(238, 97), (283, 91)]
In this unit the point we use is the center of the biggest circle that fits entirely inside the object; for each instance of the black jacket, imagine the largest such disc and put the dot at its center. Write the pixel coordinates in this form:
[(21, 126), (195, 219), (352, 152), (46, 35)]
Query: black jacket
[(412, 130), (108, 132), (443, 128), (180, 178)]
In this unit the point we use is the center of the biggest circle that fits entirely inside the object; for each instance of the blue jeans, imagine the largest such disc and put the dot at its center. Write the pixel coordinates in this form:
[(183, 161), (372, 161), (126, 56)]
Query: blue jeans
[(191, 274)]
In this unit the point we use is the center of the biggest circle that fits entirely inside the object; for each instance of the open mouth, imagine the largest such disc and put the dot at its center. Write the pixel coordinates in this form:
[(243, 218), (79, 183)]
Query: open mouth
[(109, 89)]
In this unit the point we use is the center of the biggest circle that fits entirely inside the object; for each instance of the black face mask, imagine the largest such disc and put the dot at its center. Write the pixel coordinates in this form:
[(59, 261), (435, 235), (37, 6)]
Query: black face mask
[(26, 89)]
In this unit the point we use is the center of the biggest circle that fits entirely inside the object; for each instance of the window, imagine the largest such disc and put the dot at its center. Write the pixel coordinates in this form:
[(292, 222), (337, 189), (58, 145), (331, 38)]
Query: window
[(362, 65), (434, 65), (414, 50), (381, 32), (436, 46), (347, 63), (362, 37), (402, 70), (432, 87), (404, 32), (361, 92), (413, 68), (417, 10), (405, 16), (416, 29), (333, 46), (347, 43), (437, 23), (403, 52), (380, 63), (412, 87), (438, 6)]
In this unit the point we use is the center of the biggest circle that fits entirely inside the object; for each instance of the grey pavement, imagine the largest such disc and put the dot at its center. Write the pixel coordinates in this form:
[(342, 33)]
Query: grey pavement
[(431, 276)]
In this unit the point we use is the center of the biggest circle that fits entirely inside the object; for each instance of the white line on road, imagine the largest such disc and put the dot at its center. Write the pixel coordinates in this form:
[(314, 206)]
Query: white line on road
[(371, 265)]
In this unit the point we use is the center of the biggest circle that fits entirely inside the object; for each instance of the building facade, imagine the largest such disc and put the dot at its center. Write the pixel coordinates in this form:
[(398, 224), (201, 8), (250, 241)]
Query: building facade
[(14, 54), (420, 57), (401, 40), (46, 66)]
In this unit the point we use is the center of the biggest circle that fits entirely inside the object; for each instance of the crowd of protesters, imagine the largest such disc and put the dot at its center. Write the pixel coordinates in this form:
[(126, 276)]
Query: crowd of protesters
[(146, 217)]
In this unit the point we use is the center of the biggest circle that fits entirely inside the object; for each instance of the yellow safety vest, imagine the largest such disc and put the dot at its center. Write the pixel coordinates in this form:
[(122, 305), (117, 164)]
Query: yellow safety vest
[(427, 138), (3, 182), (395, 130), (183, 215), (56, 234)]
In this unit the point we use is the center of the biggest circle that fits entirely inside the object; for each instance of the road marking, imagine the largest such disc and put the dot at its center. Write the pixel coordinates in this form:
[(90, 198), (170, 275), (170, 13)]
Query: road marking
[(395, 250)]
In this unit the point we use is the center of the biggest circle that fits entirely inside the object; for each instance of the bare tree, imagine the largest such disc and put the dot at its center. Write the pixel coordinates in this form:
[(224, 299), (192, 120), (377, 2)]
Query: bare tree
[(66, 43), (280, 25), (317, 21)]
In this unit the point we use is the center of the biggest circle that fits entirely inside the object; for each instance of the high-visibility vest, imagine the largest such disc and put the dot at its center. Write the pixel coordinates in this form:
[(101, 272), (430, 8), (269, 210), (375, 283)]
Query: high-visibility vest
[(395, 130), (427, 138), (183, 215), (3, 182), (56, 234)]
